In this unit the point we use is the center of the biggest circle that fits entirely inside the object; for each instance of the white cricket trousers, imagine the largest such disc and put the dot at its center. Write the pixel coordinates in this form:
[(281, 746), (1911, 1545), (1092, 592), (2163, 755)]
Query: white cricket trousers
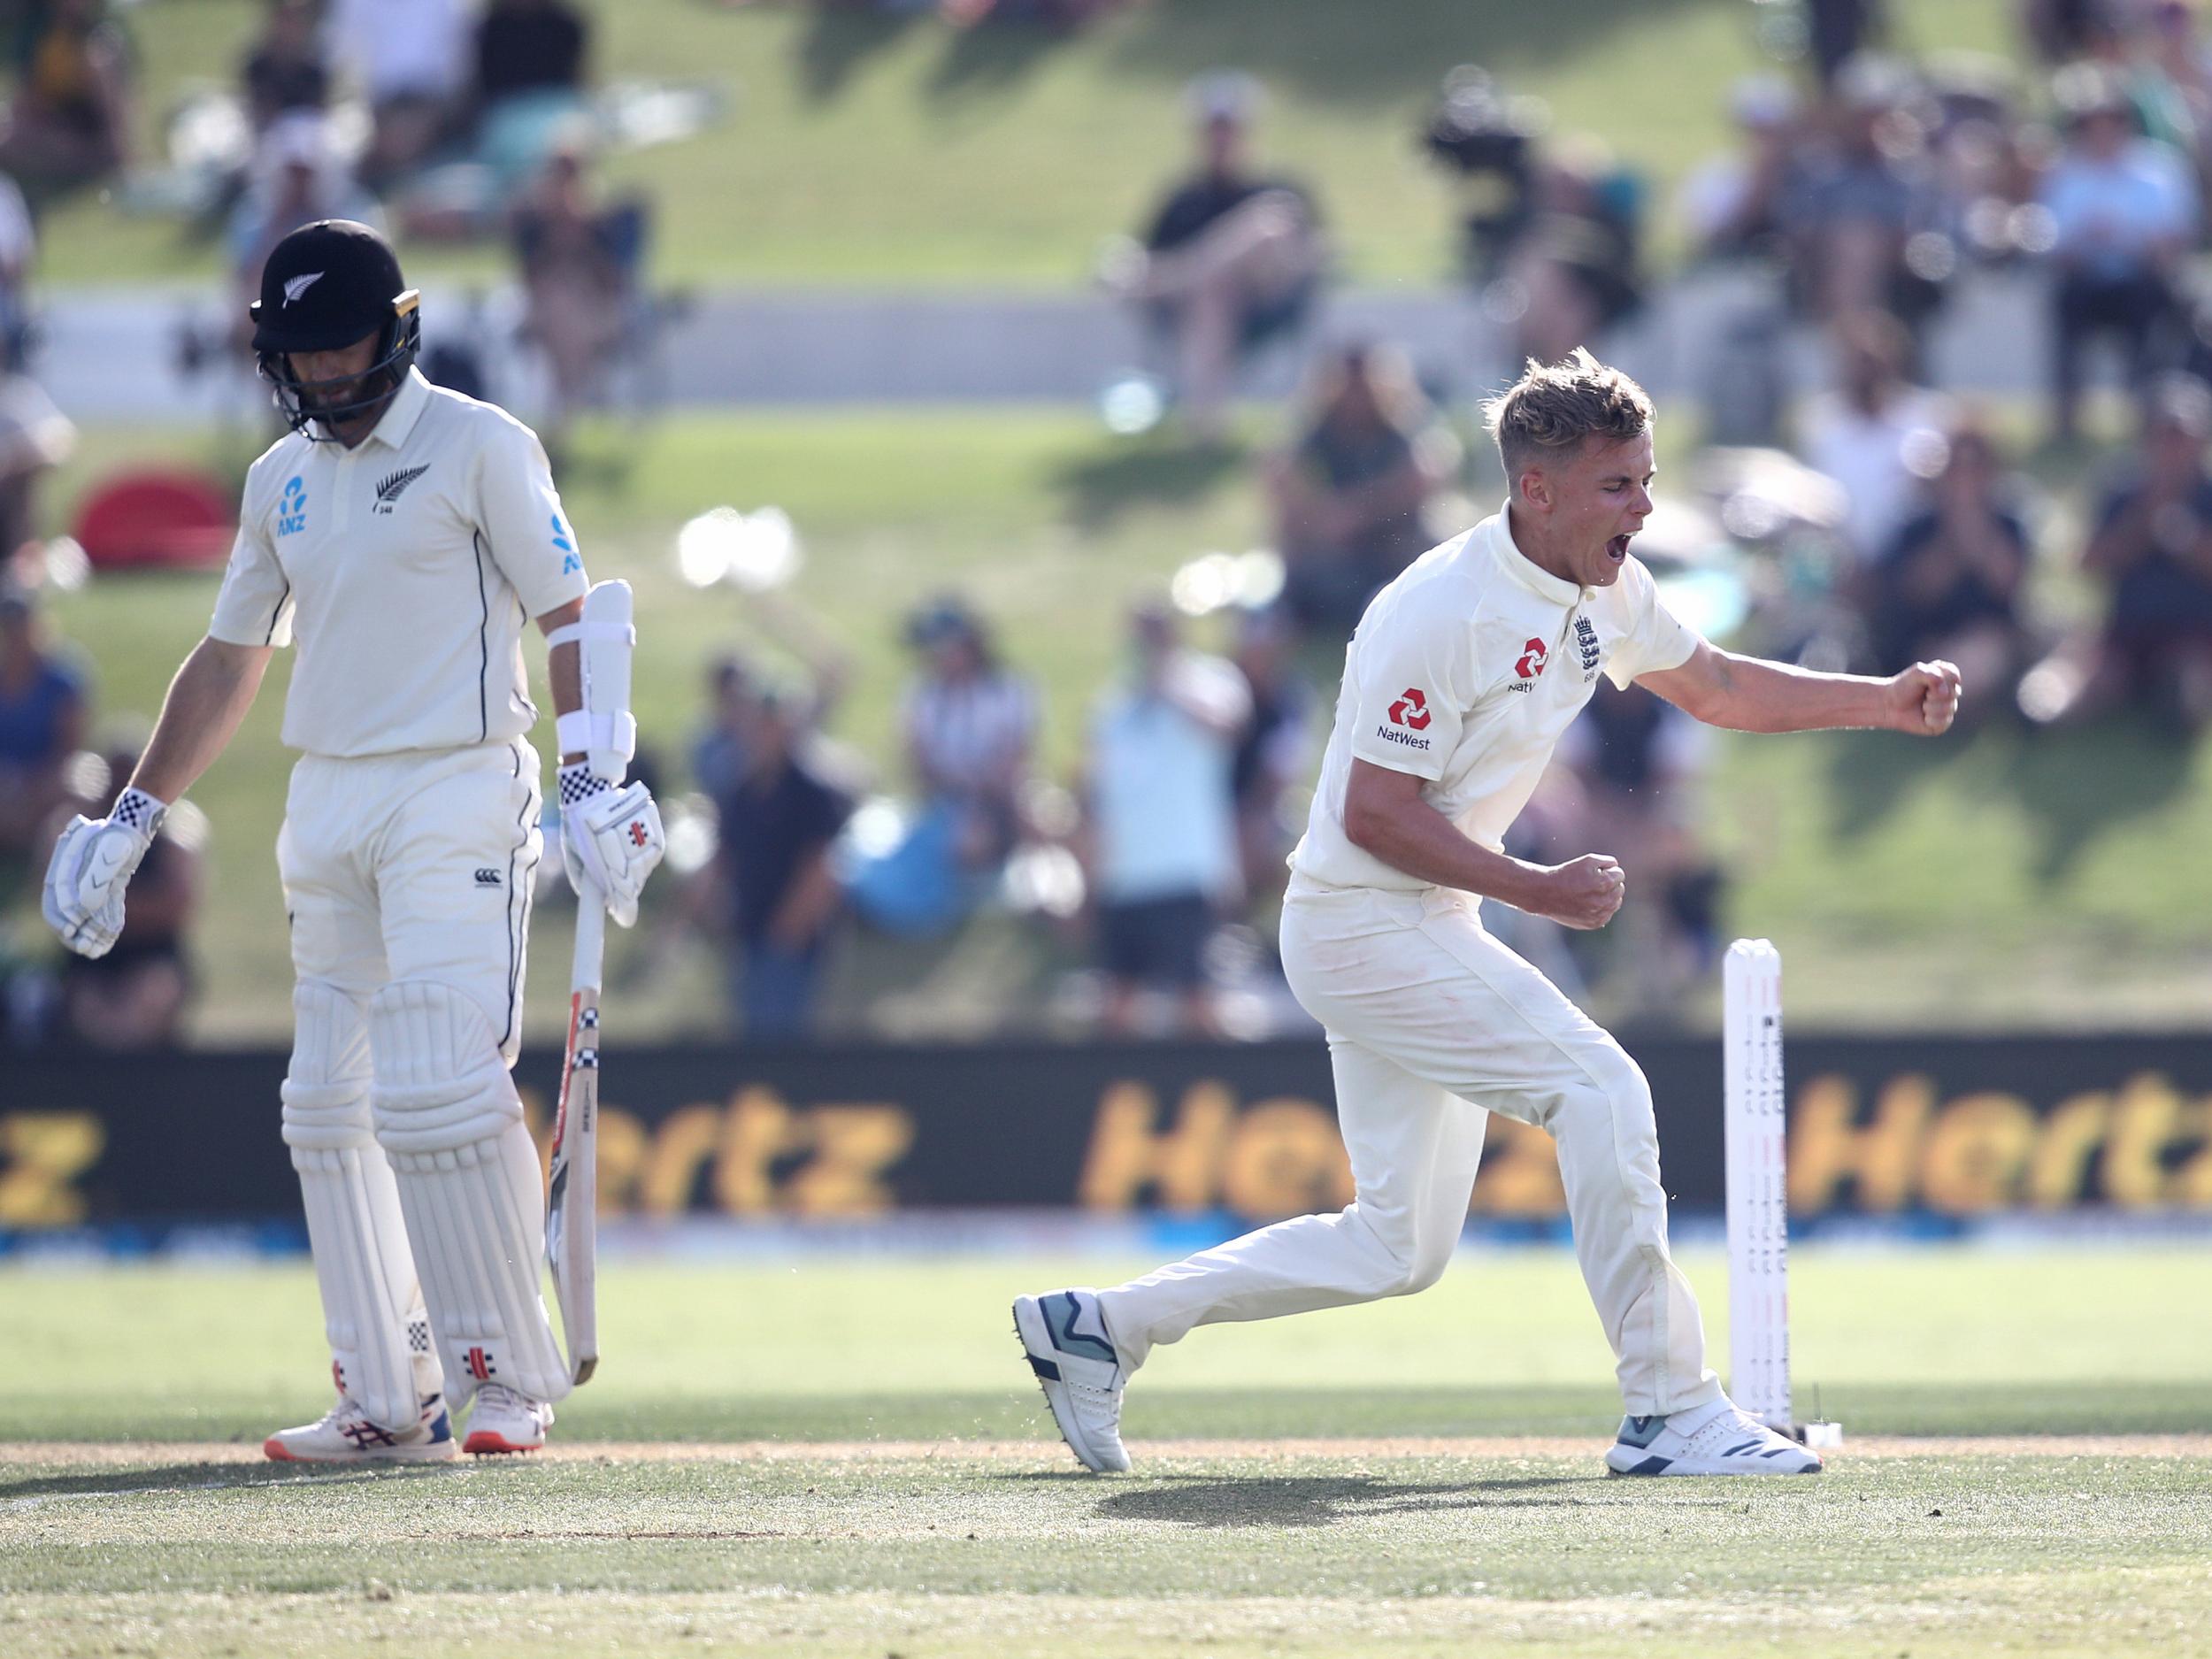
[(415, 866), (1431, 1025)]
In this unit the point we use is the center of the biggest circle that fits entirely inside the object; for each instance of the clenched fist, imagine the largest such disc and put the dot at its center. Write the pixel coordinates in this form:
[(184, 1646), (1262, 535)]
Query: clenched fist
[(1923, 699), (1581, 893)]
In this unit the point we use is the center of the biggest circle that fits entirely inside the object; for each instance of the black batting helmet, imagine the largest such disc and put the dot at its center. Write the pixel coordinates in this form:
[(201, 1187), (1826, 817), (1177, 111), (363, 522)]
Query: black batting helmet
[(326, 286)]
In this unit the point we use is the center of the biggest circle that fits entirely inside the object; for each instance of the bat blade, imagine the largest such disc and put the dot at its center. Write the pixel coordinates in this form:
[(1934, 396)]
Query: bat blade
[(572, 1211)]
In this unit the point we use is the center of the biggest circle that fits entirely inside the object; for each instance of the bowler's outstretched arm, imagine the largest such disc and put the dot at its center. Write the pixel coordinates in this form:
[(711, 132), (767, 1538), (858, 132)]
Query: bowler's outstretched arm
[(1749, 694)]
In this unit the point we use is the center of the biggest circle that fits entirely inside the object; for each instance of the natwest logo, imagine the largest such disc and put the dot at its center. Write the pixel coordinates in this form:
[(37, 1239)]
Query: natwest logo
[(1411, 710), (1532, 663)]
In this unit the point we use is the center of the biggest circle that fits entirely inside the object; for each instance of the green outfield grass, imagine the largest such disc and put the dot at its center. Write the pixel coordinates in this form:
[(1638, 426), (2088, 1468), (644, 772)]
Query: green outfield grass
[(2000, 879), (985, 1540), (875, 150), (1924, 1341)]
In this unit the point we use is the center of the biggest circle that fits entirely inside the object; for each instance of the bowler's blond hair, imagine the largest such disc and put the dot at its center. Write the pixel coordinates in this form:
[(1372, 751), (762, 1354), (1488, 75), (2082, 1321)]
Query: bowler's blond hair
[(1552, 407)]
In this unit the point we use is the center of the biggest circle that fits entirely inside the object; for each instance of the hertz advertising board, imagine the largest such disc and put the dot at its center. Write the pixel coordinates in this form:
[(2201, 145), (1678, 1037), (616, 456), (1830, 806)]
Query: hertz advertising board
[(1946, 1126)]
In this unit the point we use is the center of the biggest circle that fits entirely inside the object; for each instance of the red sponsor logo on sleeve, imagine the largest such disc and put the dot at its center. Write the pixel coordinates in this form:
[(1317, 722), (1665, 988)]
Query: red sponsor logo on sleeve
[(1532, 663), (1411, 710)]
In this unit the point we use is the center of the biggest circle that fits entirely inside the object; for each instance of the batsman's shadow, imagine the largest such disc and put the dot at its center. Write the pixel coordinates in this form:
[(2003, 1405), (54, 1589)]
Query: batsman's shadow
[(1325, 1499), (127, 1481)]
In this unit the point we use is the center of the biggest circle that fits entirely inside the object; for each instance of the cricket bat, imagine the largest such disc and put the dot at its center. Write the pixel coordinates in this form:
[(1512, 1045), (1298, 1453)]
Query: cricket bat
[(571, 1217)]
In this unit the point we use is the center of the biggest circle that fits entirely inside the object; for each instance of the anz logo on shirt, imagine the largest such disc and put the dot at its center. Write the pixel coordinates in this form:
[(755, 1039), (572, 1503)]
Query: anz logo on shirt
[(292, 510), (570, 563)]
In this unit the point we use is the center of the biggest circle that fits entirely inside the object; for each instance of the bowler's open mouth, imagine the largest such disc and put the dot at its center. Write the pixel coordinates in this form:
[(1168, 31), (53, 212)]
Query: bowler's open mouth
[(1617, 549)]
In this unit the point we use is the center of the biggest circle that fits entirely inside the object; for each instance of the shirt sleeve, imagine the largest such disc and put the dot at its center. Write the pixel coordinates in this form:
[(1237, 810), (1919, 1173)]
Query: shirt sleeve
[(1413, 683), (1656, 640), (254, 606), (530, 537)]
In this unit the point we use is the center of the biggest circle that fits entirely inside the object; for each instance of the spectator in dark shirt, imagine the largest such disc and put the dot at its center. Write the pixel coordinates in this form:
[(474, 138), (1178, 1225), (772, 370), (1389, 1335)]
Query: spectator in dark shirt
[(1636, 759), (70, 122), (42, 709), (1350, 494), (526, 46), (1574, 272), (1732, 203), (285, 70), (576, 256), (1839, 31), (1865, 186), (2152, 552), (719, 753), (1950, 584), (1231, 255), (777, 825)]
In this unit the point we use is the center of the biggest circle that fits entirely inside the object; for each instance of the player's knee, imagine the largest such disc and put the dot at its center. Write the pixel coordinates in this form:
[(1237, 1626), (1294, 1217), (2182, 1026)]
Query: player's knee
[(441, 1081), (1407, 1266), (1423, 1270), (1610, 1116), (326, 1090)]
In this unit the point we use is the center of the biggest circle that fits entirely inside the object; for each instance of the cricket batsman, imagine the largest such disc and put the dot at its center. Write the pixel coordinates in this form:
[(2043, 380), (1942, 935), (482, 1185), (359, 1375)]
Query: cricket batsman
[(401, 535), (1462, 677)]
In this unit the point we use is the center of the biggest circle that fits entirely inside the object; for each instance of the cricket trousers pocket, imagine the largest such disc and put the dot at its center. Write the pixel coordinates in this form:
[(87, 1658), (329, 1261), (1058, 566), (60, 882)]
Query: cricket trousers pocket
[(1431, 1025)]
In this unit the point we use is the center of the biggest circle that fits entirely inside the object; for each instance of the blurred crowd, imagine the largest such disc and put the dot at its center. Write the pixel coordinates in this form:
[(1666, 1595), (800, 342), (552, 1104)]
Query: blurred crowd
[(1847, 509)]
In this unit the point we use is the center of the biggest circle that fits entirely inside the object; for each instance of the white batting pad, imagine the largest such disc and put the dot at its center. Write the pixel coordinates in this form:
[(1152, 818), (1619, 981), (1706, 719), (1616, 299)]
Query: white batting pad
[(372, 1313), (470, 1185)]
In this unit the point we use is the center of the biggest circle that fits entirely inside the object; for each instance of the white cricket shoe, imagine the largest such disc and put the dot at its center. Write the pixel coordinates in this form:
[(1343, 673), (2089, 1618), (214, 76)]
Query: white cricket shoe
[(1710, 1439), (345, 1435), (506, 1421), (1064, 1334)]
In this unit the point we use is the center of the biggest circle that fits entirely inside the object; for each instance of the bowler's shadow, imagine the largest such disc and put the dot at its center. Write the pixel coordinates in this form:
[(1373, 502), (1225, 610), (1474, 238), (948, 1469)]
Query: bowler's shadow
[(1100, 485), (1325, 1499)]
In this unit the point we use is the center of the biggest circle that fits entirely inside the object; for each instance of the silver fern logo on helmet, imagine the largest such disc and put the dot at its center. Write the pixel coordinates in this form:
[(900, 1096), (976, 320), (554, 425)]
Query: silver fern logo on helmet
[(294, 287)]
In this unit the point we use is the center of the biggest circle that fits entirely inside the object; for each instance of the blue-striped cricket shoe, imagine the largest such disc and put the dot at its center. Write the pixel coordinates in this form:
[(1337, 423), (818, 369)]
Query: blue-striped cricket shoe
[(1065, 1335), (346, 1435), (1711, 1440)]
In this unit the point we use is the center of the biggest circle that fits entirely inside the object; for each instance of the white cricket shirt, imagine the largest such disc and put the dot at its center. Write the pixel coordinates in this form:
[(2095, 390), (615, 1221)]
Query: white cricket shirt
[(406, 569), (1464, 671)]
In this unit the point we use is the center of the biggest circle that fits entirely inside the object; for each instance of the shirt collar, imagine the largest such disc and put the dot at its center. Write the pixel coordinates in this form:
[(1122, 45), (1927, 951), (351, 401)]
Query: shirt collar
[(1525, 570), (404, 410)]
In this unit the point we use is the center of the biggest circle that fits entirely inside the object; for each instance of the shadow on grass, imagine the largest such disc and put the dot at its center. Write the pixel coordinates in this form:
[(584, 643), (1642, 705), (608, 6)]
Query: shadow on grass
[(977, 61), (1102, 485), (171, 1478), (1875, 773), (2075, 784), (2081, 783), (1276, 1501), (1326, 50), (839, 41), (1318, 49)]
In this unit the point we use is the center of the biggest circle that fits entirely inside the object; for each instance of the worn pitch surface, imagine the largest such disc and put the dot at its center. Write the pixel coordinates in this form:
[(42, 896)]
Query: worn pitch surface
[(2075, 1545)]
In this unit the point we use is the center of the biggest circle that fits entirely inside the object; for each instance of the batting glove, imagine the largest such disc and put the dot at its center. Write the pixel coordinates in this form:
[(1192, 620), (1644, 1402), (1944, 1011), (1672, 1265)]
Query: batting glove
[(610, 839), (93, 863)]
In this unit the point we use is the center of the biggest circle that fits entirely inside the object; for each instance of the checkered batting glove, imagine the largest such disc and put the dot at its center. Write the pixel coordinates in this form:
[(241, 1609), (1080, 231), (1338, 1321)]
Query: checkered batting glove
[(93, 863), (610, 839)]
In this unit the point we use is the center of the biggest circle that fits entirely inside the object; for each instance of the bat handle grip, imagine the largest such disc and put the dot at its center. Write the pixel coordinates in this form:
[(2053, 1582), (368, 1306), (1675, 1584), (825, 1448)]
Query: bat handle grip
[(591, 941)]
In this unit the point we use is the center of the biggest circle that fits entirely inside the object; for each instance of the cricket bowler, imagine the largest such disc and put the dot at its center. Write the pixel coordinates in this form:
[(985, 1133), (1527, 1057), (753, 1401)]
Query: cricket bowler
[(1462, 677), (400, 535)]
